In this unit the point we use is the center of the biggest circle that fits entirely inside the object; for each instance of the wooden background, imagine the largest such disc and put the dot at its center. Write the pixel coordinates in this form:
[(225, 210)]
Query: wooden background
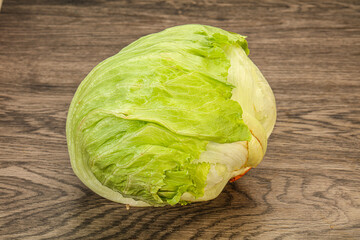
[(308, 185)]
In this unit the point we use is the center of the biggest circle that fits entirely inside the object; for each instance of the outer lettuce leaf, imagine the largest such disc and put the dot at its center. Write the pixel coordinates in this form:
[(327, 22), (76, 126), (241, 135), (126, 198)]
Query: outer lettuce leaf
[(141, 118), (149, 164), (251, 90)]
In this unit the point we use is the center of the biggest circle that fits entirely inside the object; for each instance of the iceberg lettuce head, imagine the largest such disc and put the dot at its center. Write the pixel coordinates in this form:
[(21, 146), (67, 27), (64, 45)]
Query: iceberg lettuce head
[(171, 118)]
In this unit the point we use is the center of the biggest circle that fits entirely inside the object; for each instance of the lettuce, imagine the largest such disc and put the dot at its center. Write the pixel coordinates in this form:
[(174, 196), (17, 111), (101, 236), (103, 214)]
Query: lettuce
[(170, 118)]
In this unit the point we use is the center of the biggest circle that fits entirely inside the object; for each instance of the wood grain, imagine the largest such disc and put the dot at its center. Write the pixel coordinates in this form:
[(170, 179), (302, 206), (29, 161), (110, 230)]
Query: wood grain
[(307, 187)]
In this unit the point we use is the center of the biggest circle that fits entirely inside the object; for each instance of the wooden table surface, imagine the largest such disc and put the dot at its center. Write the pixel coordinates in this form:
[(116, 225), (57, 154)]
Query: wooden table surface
[(308, 185)]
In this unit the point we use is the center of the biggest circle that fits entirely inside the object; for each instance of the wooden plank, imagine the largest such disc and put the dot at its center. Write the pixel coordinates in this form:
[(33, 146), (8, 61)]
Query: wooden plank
[(308, 185)]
